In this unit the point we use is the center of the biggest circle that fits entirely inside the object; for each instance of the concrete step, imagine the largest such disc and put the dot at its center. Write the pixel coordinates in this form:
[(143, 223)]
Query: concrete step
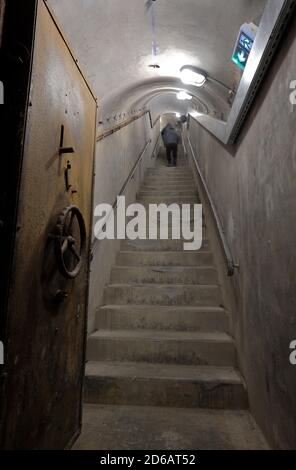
[(163, 167), (158, 180), (187, 218), (160, 223), (179, 172), (178, 210), (159, 317), (170, 347), (165, 258), (182, 164), (172, 186), (168, 234), (164, 275), (169, 171), (158, 245), (163, 294), (169, 179), (158, 174), (165, 428), (179, 188), (164, 193), (126, 383), (168, 199)]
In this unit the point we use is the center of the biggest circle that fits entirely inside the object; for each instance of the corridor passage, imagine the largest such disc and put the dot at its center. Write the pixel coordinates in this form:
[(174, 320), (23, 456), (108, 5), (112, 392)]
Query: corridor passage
[(148, 227)]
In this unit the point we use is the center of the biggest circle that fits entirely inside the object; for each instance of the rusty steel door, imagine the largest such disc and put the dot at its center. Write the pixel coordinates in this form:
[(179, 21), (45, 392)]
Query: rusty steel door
[(47, 306)]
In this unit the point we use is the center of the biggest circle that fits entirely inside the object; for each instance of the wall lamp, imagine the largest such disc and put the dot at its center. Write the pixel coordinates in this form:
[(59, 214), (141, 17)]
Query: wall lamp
[(191, 75), (182, 96)]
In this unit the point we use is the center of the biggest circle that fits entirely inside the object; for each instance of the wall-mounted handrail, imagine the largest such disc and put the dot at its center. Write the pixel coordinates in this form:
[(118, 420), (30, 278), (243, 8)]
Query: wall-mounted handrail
[(133, 170), (231, 265), (127, 181)]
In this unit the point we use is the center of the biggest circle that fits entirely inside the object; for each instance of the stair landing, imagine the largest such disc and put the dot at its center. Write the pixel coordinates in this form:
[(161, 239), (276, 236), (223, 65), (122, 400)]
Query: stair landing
[(162, 428)]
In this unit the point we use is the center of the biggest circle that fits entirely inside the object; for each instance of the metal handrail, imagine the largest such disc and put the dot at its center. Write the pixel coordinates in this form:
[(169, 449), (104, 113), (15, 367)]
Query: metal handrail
[(130, 176), (231, 265), (132, 172)]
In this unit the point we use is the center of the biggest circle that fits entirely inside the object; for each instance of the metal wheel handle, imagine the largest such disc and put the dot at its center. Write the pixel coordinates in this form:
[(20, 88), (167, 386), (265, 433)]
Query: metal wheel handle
[(66, 244)]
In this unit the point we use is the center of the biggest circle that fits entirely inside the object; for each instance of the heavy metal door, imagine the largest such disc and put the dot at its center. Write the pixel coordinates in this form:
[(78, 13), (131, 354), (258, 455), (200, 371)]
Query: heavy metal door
[(47, 306)]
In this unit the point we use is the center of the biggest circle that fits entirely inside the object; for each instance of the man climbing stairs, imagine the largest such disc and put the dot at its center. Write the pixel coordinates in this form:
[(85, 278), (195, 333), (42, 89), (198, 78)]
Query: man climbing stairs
[(161, 368)]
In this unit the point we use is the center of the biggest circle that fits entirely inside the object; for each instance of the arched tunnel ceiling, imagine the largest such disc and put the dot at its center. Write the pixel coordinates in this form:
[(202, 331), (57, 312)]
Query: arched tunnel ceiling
[(112, 42)]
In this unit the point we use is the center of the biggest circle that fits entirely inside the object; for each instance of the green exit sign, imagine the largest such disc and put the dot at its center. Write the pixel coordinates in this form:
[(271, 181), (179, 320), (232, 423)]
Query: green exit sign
[(244, 45)]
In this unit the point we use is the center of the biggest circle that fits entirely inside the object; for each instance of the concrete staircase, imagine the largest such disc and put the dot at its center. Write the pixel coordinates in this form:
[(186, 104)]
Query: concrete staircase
[(162, 338)]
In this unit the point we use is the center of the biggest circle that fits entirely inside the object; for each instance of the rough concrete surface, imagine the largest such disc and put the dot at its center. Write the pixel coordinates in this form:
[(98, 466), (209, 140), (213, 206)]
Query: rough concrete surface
[(113, 45), (115, 158), (149, 428), (253, 188)]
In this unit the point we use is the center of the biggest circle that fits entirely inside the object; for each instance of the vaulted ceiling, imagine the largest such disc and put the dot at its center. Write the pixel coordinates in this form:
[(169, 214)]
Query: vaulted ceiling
[(112, 41)]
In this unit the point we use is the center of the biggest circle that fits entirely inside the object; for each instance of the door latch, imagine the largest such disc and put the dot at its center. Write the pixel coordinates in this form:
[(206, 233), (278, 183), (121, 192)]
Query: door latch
[(68, 175), (62, 149)]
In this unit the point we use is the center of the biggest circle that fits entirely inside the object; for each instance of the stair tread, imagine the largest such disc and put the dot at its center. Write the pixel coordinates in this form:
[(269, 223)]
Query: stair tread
[(171, 186), (165, 258), (180, 179), (167, 187), (172, 192), (159, 246), (164, 371), (166, 268), (160, 335), (162, 286), (167, 252), (185, 308), (170, 170)]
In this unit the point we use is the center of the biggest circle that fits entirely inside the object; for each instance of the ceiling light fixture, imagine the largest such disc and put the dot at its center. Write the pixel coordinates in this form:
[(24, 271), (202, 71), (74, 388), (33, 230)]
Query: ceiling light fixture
[(195, 114), (182, 95), (192, 76)]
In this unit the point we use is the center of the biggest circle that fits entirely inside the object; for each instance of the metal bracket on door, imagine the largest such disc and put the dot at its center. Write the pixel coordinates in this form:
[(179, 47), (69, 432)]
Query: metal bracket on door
[(62, 149), (68, 176)]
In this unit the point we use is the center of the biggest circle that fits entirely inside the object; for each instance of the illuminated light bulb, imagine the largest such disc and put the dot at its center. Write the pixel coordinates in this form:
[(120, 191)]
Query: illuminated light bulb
[(195, 114), (182, 95), (190, 77)]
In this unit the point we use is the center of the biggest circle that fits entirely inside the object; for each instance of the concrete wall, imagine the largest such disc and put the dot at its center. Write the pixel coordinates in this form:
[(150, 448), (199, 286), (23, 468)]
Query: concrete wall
[(253, 188), (115, 158)]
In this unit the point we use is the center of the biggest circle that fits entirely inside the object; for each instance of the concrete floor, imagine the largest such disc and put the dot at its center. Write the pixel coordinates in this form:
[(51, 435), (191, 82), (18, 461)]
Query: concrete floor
[(149, 428)]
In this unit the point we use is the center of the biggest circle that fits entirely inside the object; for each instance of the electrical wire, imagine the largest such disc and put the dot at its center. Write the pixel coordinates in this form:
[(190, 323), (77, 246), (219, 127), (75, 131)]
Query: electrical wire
[(150, 6)]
